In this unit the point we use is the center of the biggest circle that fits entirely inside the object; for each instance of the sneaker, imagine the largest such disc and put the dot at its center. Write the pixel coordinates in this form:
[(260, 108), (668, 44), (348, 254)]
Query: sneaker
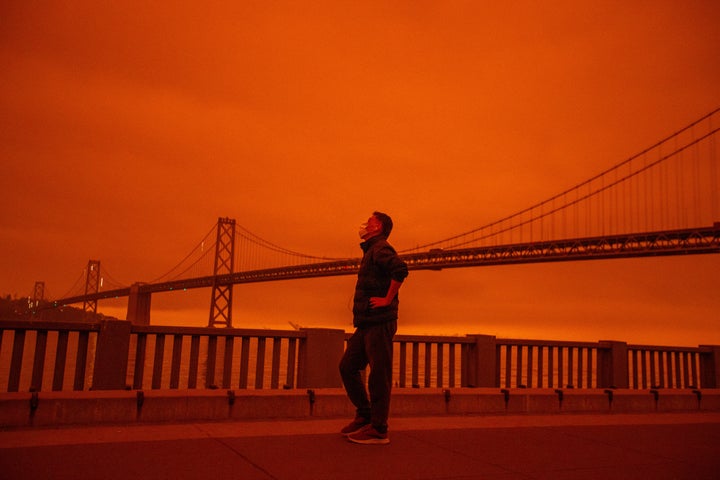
[(369, 436), (355, 426)]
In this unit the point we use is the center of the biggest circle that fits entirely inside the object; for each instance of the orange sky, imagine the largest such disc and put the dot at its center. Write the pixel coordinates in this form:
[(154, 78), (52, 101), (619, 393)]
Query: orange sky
[(127, 129)]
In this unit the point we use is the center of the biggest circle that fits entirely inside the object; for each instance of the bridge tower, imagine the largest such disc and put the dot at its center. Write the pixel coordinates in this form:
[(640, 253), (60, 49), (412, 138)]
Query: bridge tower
[(221, 300), (92, 285), (38, 293)]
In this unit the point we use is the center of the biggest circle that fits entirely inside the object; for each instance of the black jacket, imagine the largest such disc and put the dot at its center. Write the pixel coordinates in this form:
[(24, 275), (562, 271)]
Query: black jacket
[(380, 264)]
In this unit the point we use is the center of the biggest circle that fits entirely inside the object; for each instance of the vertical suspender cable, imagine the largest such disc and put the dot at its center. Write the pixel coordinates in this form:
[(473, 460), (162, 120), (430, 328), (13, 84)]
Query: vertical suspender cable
[(694, 153), (714, 194), (678, 190)]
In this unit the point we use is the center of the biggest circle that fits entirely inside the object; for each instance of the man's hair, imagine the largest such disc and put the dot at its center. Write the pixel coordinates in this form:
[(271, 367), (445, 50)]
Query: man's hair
[(387, 223)]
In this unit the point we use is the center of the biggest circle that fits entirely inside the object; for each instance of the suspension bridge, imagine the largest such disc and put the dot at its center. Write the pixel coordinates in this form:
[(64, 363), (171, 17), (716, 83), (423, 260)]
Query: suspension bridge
[(661, 201)]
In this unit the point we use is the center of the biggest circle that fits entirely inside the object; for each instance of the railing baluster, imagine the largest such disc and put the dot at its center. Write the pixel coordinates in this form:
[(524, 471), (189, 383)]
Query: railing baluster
[(551, 367), (464, 362), (508, 365), (176, 359), (245, 362), (498, 363), (16, 361), (139, 361), (290, 379), (60, 359), (653, 369), (211, 359), (686, 370), (428, 363), (275, 373), (415, 365), (637, 368), (541, 366), (81, 360), (530, 363), (581, 353), (227, 361), (402, 371), (678, 371), (661, 365), (158, 361), (518, 366), (39, 361), (451, 366), (194, 361), (693, 370), (439, 365), (260, 363)]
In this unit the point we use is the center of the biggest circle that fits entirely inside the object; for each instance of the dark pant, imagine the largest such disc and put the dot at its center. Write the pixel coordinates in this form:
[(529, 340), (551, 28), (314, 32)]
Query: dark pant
[(372, 346)]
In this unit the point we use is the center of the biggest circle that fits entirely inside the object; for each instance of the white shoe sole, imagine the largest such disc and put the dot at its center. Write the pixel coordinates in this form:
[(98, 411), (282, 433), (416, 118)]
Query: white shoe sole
[(370, 441)]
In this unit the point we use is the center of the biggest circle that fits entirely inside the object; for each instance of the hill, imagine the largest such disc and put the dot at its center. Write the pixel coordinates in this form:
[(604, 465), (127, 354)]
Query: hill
[(23, 309)]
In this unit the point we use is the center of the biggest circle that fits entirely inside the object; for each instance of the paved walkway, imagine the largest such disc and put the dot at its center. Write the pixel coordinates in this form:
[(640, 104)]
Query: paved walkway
[(609, 446)]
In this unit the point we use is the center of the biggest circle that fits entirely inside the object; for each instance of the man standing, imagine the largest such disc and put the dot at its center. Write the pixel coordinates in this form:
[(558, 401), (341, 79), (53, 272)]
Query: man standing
[(375, 313)]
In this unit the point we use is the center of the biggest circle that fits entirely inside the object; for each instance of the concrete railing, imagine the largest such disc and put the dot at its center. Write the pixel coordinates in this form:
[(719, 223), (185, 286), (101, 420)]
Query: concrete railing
[(116, 355)]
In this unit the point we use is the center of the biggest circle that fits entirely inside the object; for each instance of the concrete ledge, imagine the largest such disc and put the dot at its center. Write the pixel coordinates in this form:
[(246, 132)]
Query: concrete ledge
[(677, 401), (709, 400), (67, 408), (269, 405), (584, 401), (463, 401), (162, 406), (537, 400), (417, 401), (632, 401), (14, 409), (331, 402)]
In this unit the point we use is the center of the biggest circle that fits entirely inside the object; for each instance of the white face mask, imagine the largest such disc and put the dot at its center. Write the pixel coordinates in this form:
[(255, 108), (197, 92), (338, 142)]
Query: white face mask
[(362, 231)]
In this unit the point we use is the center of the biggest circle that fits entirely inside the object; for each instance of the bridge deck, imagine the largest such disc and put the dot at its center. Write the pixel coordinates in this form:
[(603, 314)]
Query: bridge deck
[(671, 242)]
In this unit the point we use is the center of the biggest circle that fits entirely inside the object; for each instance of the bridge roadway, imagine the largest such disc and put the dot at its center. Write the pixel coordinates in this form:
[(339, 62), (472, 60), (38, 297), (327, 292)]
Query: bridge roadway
[(569, 446), (672, 242)]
